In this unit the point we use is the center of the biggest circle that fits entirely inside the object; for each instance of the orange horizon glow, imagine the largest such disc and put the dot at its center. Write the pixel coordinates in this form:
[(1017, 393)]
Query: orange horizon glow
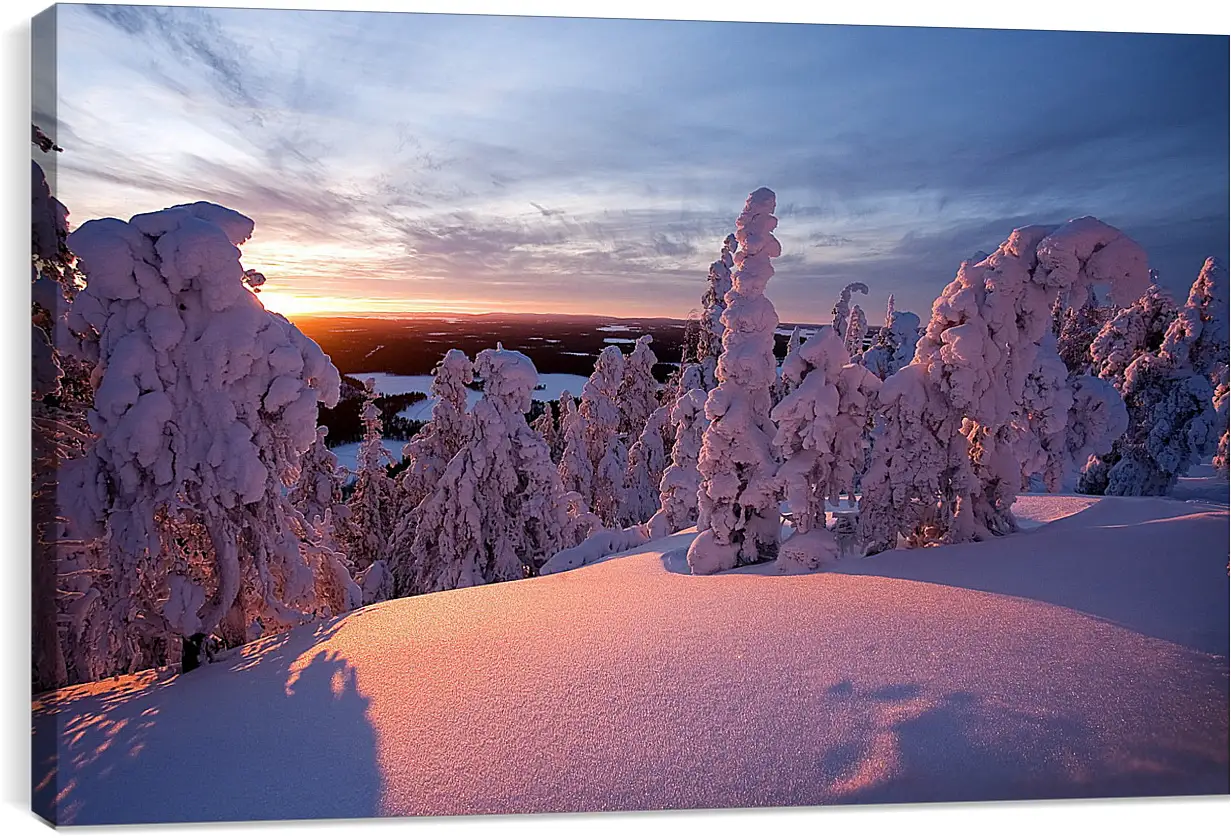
[(292, 305)]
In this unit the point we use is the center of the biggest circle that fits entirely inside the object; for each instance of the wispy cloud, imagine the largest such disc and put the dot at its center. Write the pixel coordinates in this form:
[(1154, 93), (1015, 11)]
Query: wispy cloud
[(577, 164)]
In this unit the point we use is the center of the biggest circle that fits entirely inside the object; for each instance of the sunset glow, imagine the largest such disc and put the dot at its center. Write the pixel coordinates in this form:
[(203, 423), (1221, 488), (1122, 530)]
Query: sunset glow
[(528, 165)]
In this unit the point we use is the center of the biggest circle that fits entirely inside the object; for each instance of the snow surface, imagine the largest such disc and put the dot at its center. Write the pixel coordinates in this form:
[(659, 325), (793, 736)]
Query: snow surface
[(388, 384), (1086, 657)]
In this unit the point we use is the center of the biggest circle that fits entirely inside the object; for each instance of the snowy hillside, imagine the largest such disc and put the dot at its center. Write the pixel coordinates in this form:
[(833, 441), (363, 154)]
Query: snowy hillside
[(1086, 656)]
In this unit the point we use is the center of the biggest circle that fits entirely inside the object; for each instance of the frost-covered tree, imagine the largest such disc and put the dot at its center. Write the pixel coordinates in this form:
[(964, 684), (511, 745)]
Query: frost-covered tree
[(317, 491), (637, 395), (367, 533), (842, 308), (545, 426), (1200, 328), (594, 457), (856, 328), (500, 509), (203, 406), (1133, 331), (713, 301), (1222, 400), (738, 519), (1078, 327), (59, 387), (429, 452), (647, 460), (567, 407), (820, 438), (1172, 420), (956, 421), (894, 345), (681, 479)]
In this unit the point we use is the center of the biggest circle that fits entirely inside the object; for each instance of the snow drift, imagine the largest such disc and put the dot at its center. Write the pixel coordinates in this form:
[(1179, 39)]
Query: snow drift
[(1084, 657)]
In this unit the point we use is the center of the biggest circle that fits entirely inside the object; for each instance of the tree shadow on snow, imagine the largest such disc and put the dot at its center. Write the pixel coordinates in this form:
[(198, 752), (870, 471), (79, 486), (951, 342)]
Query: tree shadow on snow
[(958, 747), (1157, 567), (242, 739)]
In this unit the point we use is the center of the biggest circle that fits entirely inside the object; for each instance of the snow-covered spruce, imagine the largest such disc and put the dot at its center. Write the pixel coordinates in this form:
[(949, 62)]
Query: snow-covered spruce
[(1199, 332), (1222, 400), (500, 509), (637, 395), (956, 428), (737, 500), (856, 328), (545, 426), (714, 301), (573, 463), (647, 461), (842, 308), (1078, 327), (894, 346), (820, 439), (1133, 331), (428, 454), (367, 532), (59, 431), (593, 449), (1172, 419), (681, 479), (203, 405), (317, 491)]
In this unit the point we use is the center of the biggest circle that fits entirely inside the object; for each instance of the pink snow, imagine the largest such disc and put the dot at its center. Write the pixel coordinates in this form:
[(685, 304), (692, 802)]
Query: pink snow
[(1085, 657)]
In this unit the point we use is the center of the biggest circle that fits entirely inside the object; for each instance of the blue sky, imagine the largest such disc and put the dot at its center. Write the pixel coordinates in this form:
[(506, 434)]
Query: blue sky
[(471, 163)]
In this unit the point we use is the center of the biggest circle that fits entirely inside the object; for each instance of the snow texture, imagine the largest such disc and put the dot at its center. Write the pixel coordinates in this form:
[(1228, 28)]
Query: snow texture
[(1081, 659)]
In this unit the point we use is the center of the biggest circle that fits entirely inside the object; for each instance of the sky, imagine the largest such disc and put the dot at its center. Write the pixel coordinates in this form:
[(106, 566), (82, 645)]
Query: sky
[(415, 162)]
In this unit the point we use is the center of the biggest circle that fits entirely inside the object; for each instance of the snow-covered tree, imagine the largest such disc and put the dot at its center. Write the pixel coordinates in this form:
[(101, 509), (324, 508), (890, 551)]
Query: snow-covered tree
[(842, 308), (1133, 331), (956, 421), (1200, 329), (738, 519), (820, 438), (709, 343), (203, 405), (894, 345), (681, 479), (367, 533), (429, 452), (594, 457), (1172, 419), (647, 460), (567, 407), (856, 328), (574, 466), (317, 491), (637, 395), (59, 428), (1078, 327), (1222, 400), (500, 509), (794, 341), (545, 426)]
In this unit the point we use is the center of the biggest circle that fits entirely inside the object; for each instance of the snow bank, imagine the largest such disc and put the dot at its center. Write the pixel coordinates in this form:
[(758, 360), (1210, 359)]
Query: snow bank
[(1069, 661)]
